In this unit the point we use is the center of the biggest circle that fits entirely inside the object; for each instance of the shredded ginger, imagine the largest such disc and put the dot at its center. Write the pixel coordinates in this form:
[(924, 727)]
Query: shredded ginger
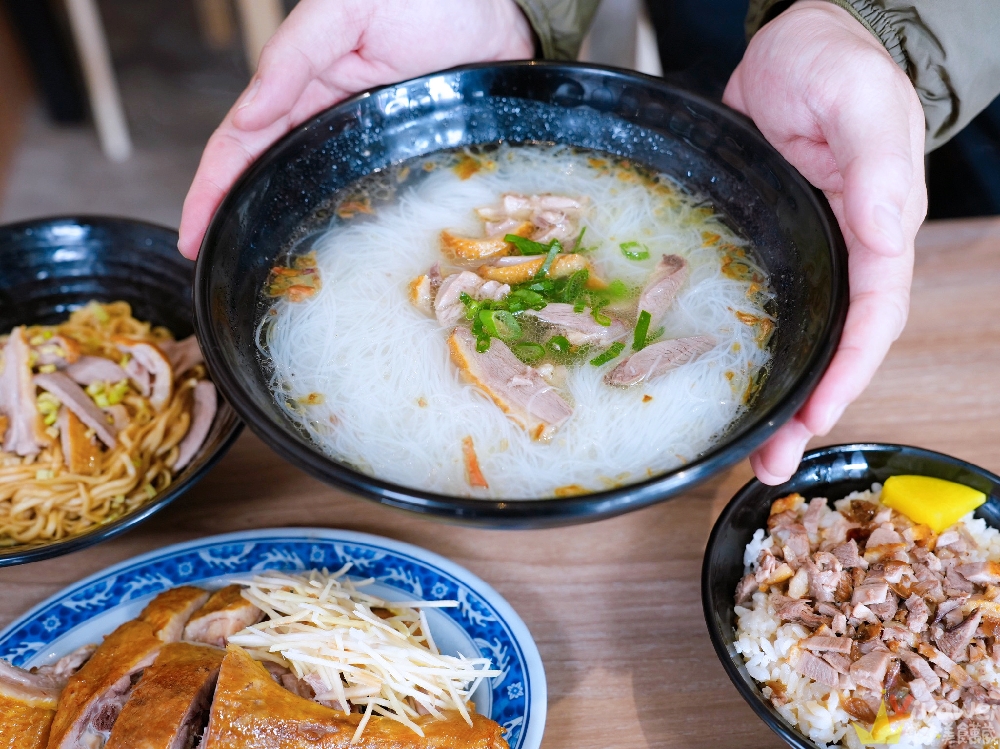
[(323, 628)]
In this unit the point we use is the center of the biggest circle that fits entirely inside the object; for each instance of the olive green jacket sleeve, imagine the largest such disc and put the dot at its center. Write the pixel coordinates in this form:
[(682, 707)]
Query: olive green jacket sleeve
[(560, 25), (950, 49)]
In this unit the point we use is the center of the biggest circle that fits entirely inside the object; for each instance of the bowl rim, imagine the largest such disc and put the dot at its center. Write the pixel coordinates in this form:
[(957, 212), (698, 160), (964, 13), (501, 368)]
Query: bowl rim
[(757, 703), (522, 513), (26, 553)]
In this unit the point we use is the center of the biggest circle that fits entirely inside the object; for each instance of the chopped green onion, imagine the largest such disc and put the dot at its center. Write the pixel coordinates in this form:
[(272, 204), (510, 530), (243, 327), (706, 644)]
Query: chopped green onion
[(616, 348), (554, 250), (617, 289), (559, 345), (632, 254), (601, 319), (529, 353), (150, 491), (579, 305), (574, 285), (500, 324), (654, 335), (482, 344), (641, 327), (527, 246), (43, 474), (530, 299)]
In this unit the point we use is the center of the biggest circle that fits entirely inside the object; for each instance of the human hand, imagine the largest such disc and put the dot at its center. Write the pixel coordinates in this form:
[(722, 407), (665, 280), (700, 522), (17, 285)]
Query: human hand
[(327, 50), (826, 94)]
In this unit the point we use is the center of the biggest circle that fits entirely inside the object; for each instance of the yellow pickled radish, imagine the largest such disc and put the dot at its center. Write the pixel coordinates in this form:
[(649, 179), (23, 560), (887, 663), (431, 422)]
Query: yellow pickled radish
[(933, 502)]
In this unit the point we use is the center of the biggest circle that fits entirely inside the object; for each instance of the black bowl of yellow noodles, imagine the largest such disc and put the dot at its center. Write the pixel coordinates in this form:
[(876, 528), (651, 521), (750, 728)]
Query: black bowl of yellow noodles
[(303, 186), (50, 267)]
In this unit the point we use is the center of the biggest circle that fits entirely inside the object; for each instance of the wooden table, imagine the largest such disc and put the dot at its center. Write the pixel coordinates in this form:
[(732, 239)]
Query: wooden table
[(614, 606)]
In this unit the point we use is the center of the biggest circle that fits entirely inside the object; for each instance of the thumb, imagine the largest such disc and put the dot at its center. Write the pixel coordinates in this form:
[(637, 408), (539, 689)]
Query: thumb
[(871, 142)]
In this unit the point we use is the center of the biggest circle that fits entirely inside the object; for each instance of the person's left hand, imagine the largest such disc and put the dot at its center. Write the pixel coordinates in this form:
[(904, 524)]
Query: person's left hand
[(827, 95)]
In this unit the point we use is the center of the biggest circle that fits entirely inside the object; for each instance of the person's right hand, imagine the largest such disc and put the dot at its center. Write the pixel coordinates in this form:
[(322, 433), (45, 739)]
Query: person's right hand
[(327, 50)]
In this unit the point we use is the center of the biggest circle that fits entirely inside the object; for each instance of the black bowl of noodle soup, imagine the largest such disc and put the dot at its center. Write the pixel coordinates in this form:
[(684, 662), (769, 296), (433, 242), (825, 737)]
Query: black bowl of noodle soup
[(833, 473), (521, 294), (53, 268)]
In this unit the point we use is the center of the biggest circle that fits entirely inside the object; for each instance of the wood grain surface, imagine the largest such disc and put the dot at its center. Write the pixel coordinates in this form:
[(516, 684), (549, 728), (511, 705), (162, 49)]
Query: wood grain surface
[(614, 606)]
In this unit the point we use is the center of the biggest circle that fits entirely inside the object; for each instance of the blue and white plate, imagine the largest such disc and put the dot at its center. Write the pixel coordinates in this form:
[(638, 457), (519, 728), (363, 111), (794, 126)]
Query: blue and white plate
[(483, 624)]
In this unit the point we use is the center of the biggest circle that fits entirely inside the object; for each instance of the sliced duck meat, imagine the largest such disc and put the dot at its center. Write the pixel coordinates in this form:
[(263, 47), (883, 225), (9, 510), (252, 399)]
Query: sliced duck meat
[(826, 642), (849, 555), (893, 631), (517, 389), (448, 306), (580, 328), (170, 611), (90, 369), (817, 507), (662, 287), (68, 665), (919, 611), (224, 614), (956, 584), (823, 571), (119, 416), (421, 295), (249, 704), (920, 668), (841, 663), (155, 363), (27, 705), (564, 265), (76, 400), (169, 707), (817, 669), (746, 588), (24, 434), (980, 572), (798, 610), (657, 359), (94, 695), (80, 454), (887, 609), (883, 537), (202, 416), (549, 216), (869, 670), (183, 354), (954, 642), (794, 542), (58, 351), (470, 249), (872, 590), (139, 376)]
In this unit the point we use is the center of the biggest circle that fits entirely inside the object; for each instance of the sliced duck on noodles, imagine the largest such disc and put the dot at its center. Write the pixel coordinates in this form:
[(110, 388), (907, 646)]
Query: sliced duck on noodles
[(90, 369), (94, 695), (517, 389), (148, 358), (27, 705), (169, 612), (658, 358), (24, 433), (522, 268), (57, 351), (551, 216), (202, 415), (224, 614), (169, 707), (465, 249), (80, 454), (661, 289), (448, 305), (580, 328), (73, 397), (183, 354)]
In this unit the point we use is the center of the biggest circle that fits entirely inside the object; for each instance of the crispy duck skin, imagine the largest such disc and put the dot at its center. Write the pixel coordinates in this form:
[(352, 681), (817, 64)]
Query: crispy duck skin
[(27, 705), (169, 704), (169, 612), (94, 695), (224, 614), (251, 709)]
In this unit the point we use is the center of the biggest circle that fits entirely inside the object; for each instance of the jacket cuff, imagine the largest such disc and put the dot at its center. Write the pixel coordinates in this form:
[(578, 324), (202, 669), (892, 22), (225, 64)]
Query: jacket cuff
[(559, 25), (868, 14)]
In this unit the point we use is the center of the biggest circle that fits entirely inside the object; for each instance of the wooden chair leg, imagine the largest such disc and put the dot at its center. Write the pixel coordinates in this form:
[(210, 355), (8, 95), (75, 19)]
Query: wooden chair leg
[(99, 75), (259, 19)]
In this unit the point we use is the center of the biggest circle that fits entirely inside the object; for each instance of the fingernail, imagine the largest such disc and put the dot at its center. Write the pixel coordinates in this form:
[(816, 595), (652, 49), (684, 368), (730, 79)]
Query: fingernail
[(887, 219), (248, 97)]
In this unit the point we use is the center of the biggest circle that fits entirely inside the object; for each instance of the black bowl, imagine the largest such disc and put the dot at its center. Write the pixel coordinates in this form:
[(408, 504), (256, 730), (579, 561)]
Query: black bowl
[(831, 472), (281, 200), (51, 266)]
